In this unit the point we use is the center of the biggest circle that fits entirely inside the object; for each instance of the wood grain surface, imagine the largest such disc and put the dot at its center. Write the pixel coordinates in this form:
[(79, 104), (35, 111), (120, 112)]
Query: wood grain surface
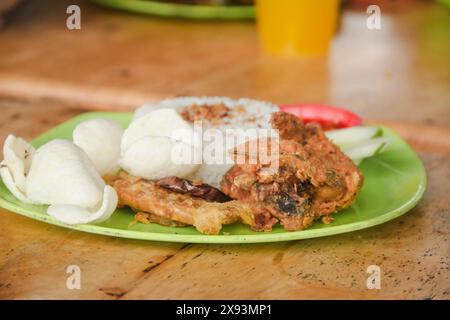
[(398, 76)]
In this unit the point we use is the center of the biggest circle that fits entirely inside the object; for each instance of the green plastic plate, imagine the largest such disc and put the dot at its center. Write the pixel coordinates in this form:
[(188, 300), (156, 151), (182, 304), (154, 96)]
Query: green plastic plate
[(394, 182), (188, 11)]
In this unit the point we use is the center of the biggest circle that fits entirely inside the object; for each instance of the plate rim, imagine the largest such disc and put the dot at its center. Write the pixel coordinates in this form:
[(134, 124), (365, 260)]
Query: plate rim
[(177, 10), (222, 238)]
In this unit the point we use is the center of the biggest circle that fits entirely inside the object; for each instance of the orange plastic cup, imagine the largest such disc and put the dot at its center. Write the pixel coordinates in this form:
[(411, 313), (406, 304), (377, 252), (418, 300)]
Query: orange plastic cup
[(296, 27)]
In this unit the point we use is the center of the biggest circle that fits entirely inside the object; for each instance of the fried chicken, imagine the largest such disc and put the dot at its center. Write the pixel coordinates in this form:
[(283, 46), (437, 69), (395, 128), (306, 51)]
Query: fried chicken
[(163, 205), (313, 180)]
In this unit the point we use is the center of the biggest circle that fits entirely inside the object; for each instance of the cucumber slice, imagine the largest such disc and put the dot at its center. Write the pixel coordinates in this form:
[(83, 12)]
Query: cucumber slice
[(352, 135), (367, 148)]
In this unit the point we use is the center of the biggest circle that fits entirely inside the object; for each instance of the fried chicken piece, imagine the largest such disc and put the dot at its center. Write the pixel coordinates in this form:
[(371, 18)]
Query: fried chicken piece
[(343, 177), (313, 179), (208, 217)]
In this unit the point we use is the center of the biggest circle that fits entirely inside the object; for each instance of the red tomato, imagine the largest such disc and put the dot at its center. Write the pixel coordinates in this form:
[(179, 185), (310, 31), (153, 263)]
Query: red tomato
[(327, 116)]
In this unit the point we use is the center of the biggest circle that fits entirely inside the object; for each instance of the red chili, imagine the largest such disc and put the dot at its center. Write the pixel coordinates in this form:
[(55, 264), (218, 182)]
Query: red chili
[(328, 117)]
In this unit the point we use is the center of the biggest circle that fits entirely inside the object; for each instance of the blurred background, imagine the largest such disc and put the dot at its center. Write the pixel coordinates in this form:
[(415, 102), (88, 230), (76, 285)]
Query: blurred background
[(128, 52)]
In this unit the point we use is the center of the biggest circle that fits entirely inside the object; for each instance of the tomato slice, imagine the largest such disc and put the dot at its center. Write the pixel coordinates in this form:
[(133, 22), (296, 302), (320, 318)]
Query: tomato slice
[(328, 117)]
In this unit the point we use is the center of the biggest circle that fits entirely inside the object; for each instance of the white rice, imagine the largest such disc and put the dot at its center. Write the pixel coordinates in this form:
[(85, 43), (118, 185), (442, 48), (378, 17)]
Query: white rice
[(255, 113), (244, 114)]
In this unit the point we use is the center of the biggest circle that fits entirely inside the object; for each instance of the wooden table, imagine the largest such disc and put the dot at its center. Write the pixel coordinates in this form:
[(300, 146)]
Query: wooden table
[(399, 76)]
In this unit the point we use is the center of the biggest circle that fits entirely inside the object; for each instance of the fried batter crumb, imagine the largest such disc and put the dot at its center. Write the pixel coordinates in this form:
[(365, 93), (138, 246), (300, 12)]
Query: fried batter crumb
[(211, 113)]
